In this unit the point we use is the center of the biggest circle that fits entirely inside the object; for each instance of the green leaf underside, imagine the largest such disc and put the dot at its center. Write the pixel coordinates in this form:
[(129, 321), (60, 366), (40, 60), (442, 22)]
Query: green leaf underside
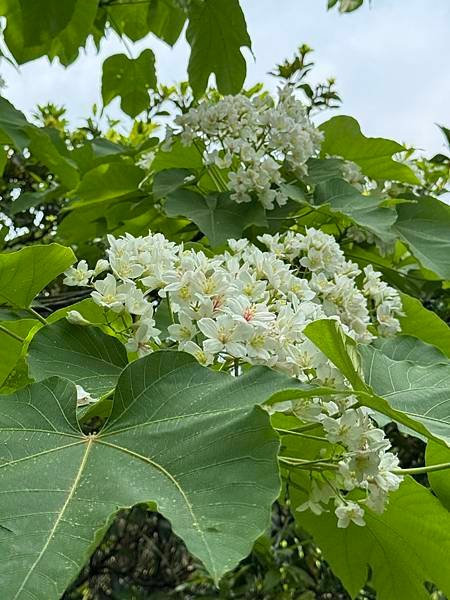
[(130, 79), (414, 395), (84, 355), (23, 274), (343, 137), (217, 215), (424, 324), (216, 33), (425, 227), (188, 438), (420, 392), (363, 210), (405, 546), (407, 347)]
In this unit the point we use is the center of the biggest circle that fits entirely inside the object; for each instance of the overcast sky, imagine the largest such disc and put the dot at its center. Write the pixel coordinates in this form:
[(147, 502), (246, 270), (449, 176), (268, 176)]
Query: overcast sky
[(391, 62)]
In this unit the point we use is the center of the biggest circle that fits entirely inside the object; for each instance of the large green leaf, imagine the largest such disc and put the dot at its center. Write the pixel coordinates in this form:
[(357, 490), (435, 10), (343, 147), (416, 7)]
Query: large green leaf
[(131, 79), (407, 347), (424, 324), (217, 216), (23, 274), (187, 438), (404, 547), (130, 18), (419, 392), (46, 151), (439, 480), (425, 227), (166, 20), (47, 27), (12, 125), (343, 137), (84, 355), (414, 395), (362, 210), (11, 348), (216, 33), (107, 181)]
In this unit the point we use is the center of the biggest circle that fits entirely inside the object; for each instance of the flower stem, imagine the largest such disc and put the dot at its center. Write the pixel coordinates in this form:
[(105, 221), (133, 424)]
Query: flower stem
[(299, 433), (11, 334), (36, 315), (169, 307), (419, 470)]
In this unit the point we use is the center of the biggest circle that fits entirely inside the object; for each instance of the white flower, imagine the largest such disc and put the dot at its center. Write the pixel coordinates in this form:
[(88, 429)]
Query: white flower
[(225, 335), (83, 397), (78, 275), (183, 331), (349, 512), (107, 295), (203, 357)]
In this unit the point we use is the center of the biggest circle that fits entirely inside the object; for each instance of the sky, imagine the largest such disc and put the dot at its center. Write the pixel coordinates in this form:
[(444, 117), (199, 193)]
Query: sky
[(390, 59)]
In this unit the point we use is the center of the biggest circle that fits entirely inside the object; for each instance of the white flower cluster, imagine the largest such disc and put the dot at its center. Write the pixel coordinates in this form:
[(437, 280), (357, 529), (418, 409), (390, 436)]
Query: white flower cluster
[(254, 139), (363, 463), (251, 306)]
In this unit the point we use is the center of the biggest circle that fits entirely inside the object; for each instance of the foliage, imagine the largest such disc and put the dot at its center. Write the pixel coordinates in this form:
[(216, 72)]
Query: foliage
[(248, 350)]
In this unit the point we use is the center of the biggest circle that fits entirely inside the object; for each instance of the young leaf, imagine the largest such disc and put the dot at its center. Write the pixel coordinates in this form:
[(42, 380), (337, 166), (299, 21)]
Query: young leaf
[(130, 79), (404, 547), (187, 438), (217, 215), (23, 274), (425, 227), (84, 355), (216, 33), (343, 137)]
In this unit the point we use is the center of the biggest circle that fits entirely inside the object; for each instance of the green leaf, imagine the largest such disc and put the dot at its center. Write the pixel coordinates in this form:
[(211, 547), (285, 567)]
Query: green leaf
[(168, 181), (328, 336), (216, 33), (425, 227), (23, 274), (424, 324), (321, 170), (178, 157), (131, 79), (129, 18), (439, 480), (12, 125), (10, 348), (343, 137), (42, 147), (363, 210), (187, 438), (83, 355), (107, 181), (414, 395), (217, 216), (47, 27), (407, 347), (405, 547), (28, 200), (166, 20), (420, 394)]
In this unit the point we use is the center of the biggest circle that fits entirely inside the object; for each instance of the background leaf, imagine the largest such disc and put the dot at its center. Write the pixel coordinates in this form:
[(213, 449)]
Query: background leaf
[(23, 274), (216, 33), (217, 216), (343, 137), (425, 227), (131, 79)]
